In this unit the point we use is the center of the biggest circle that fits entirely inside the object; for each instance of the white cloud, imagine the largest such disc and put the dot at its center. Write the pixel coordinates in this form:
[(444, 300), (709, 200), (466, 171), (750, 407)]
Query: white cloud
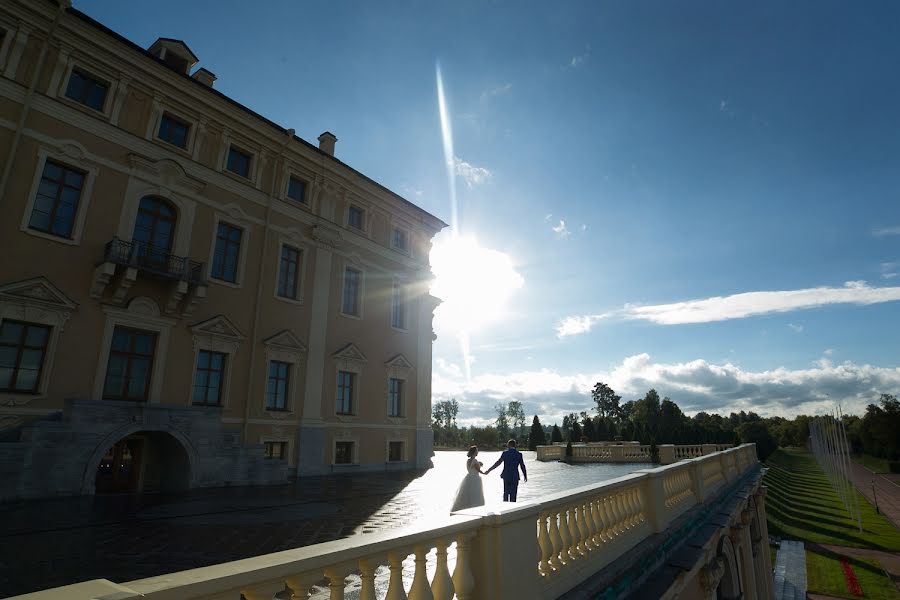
[(829, 352), (576, 325), (561, 230), (496, 91), (580, 59), (749, 304), (889, 270), (795, 328), (694, 385), (471, 174), (885, 231), (411, 190)]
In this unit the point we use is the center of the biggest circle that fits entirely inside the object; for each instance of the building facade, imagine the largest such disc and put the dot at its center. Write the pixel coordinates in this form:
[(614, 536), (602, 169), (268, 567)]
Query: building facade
[(191, 295)]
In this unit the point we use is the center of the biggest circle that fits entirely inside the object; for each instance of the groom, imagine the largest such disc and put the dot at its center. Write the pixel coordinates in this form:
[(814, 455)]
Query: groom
[(512, 460)]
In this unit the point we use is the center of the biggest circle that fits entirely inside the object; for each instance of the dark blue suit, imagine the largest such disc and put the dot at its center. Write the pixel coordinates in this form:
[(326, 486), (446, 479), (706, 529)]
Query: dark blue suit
[(512, 460)]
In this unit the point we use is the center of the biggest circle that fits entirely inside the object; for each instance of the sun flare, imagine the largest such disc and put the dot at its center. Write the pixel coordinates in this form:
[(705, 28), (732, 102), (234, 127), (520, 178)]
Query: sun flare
[(475, 283)]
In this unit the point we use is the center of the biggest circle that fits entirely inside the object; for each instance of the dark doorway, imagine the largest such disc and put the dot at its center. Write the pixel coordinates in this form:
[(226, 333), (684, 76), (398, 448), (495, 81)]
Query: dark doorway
[(146, 461)]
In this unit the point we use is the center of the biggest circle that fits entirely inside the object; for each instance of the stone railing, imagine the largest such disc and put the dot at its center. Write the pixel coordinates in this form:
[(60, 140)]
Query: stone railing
[(558, 542), (668, 453)]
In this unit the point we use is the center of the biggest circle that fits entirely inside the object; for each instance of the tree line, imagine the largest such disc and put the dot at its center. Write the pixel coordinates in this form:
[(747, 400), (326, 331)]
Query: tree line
[(653, 420)]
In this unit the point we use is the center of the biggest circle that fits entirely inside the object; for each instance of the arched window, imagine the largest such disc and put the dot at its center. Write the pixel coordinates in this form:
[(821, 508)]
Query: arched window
[(154, 231)]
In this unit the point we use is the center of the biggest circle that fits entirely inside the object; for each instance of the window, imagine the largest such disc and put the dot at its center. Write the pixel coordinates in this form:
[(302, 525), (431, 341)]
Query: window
[(238, 162), (398, 307), (350, 298), (225, 256), (209, 378), (395, 451), (129, 366), (57, 199), (289, 272), (343, 453), (400, 239), (87, 90), (23, 347), (173, 130), (356, 217), (296, 189), (395, 397), (345, 382), (277, 387), (276, 449), (154, 232)]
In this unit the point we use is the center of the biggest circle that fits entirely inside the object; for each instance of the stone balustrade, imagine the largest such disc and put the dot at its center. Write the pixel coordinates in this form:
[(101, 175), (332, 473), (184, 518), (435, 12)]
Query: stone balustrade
[(559, 542), (613, 453)]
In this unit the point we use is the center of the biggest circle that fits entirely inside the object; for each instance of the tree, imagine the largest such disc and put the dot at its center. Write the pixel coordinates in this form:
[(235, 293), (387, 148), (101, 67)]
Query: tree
[(536, 437), (516, 415), (587, 427), (556, 434), (756, 432), (443, 422), (502, 423), (606, 399)]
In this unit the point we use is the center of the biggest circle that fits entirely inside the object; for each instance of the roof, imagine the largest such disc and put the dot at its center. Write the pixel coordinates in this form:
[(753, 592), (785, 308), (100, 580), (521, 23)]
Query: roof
[(180, 43), (122, 39)]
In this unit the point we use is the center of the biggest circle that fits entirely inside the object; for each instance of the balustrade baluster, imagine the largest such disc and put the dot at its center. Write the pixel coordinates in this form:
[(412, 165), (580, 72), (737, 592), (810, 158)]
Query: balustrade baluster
[(300, 584), (543, 537), (395, 589), (565, 535), (463, 580), (420, 590), (335, 583), (618, 526), (556, 539), (574, 552), (599, 527), (584, 544), (606, 531), (263, 591), (631, 520), (590, 523), (442, 584), (367, 569)]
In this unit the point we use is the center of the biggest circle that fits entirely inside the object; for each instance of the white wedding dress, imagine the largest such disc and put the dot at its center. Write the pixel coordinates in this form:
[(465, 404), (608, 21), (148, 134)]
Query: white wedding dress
[(471, 490)]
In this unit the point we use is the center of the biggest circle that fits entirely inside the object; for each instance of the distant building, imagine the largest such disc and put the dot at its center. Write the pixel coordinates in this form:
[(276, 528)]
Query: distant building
[(189, 294)]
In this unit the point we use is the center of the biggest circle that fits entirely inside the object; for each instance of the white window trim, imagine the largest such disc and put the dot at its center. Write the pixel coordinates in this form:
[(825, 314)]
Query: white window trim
[(307, 181), (294, 357), (404, 456), (354, 400), (90, 170), (366, 217), (242, 252), (362, 289), (404, 386), (404, 299), (142, 313), (344, 436), (214, 343), (301, 272), (96, 72), (40, 313), (137, 190), (253, 176), (192, 123), (288, 451), (397, 369)]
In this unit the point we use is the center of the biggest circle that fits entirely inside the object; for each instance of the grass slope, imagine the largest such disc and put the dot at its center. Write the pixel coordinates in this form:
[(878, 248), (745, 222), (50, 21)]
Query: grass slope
[(876, 465), (825, 576), (802, 505)]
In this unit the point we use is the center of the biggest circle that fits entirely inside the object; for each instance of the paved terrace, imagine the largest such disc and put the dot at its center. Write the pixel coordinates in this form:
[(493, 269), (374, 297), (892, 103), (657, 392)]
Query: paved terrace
[(56, 542)]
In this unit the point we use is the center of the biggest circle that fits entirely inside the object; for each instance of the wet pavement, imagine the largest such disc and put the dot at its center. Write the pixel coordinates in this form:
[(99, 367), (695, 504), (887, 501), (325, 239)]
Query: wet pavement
[(50, 543)]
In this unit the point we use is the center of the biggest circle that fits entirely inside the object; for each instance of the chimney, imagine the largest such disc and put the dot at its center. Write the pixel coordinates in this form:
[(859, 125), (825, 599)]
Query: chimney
[(204, 76), (326, 143)]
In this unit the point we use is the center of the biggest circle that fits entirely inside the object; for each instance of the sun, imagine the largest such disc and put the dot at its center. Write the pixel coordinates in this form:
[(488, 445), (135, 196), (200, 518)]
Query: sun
[(475, 283)]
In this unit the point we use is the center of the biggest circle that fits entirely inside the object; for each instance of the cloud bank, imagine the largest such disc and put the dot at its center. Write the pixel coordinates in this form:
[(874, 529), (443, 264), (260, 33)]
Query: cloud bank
[(695, 385), (737, 306), (471, 174)]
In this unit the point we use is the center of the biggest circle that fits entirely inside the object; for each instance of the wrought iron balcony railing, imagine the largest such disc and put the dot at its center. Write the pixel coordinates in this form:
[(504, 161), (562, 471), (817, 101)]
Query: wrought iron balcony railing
[(154, 260)]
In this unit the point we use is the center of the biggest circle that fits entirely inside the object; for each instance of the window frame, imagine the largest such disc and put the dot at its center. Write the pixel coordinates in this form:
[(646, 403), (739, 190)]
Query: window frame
[(285, 449), (288, 384), (354, 452), (406, 236), (363, 215), (130, 354), (242, 254), (178, 119), (353, 389), (251, 161), (222, 378), (76, 67), (291, 177), (21, 347), (399, 302), (402, 458), (298, 273), (57, 199), (90, 171), (401, 383), (360, 287)]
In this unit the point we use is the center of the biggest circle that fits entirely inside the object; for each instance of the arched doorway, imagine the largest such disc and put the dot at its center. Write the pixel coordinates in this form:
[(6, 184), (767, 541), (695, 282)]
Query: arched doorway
[(144, 461), (154, 232)]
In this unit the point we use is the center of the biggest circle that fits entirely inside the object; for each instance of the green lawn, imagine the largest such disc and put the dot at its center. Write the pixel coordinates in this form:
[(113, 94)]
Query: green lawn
[(876, 465), (801, 505), (825, 576)]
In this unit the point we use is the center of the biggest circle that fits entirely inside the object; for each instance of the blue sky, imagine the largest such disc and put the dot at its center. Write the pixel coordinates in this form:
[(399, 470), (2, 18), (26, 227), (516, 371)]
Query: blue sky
[(612, 160)]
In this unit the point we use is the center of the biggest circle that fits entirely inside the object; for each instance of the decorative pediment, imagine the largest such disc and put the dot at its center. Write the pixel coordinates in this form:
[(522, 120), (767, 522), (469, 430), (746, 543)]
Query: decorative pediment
[(350, 358), (326, 237), (399, 361), (285, 340), (218, 326), (167, 172), (37, 291)]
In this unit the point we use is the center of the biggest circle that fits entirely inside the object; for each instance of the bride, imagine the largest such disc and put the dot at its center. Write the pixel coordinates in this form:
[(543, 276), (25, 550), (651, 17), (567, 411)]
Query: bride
[(471, 490)]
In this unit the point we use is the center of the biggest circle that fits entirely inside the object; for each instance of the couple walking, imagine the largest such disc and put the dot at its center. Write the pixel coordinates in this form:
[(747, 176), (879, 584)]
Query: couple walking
[(471, 490)]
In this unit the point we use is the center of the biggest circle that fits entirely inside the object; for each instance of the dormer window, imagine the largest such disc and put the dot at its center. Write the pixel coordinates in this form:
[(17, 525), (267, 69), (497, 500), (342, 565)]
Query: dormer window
[(175, 54)]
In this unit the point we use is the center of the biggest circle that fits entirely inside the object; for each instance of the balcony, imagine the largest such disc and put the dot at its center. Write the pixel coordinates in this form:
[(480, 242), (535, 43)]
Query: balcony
[(123, 261)]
